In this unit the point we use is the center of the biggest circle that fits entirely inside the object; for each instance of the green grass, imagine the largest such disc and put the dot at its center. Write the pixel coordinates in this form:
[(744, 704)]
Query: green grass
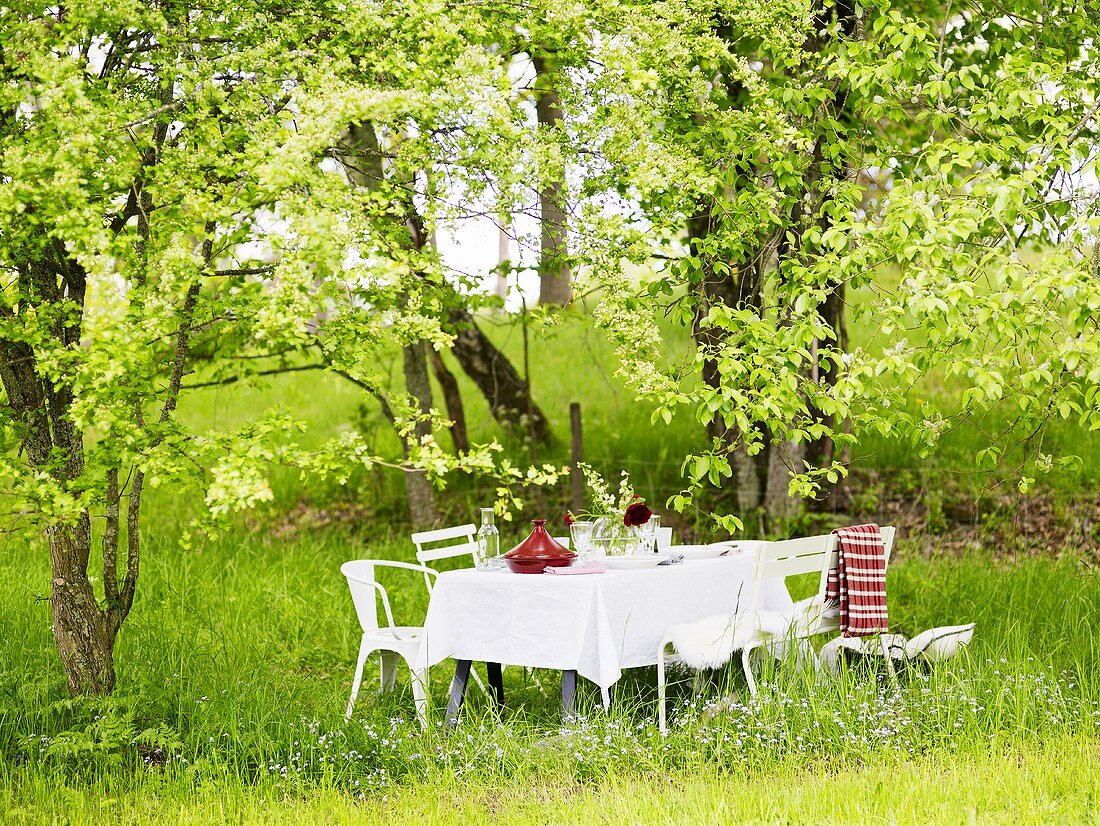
[(241, 652), (1022, 783)]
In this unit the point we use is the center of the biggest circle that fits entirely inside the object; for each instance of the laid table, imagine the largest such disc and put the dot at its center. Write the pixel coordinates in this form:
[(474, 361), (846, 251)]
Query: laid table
[(590, 625)]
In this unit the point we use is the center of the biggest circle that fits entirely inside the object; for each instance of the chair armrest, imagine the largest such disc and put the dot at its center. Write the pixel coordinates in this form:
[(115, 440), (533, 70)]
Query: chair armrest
[(386, 563), (407, 566), (385, 599)]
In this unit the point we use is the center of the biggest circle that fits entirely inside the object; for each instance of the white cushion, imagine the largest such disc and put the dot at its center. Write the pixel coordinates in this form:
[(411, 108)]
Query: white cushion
[(933, 645), (937, 644), (711, 642)]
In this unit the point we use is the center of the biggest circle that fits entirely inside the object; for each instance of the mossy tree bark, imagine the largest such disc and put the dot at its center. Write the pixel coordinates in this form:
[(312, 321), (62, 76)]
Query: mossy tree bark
[(555, 273), (418, 490)]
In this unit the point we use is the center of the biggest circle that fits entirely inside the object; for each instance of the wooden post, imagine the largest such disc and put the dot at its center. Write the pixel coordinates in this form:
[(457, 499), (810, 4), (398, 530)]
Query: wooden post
[(575, 475)]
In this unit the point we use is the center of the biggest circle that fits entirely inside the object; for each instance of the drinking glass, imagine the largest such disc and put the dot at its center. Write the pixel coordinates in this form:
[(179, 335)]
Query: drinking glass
[(581, 535), (647, 535)]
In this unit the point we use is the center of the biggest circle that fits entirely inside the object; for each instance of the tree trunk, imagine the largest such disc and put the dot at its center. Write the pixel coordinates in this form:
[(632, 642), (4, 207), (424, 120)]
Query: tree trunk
[(747, 476), (783, 457), (742, 289), (555, 275), (495, 377), (79, 625), (823, 170), (479, 358), (452, 397), (418, 489), (821, 451), (504, 256)]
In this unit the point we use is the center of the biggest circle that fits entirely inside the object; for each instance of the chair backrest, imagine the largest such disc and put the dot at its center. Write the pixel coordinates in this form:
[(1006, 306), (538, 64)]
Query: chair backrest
[(888, 541), (445, 543), (791, 557), (364, 593), (805, 555)]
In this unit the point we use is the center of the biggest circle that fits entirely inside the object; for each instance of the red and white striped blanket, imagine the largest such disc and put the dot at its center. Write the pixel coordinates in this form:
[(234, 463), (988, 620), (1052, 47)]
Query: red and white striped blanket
[(858, 583)]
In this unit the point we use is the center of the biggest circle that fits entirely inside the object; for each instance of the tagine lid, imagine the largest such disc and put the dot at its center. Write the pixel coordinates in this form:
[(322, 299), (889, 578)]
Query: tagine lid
[(539, 545)]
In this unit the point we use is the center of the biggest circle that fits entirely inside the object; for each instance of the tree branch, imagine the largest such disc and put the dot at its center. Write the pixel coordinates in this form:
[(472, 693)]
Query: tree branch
[(387, 411), (274, 371), (175, 383), (110, 544), (133, 556), (245, 271)]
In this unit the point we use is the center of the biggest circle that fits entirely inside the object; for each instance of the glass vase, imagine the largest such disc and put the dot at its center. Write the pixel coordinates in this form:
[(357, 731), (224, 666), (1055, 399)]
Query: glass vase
[(610, 537)]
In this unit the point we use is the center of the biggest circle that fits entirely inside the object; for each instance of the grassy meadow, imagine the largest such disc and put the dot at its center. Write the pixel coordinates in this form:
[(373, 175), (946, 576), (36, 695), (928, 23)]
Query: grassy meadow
[(235, 665)]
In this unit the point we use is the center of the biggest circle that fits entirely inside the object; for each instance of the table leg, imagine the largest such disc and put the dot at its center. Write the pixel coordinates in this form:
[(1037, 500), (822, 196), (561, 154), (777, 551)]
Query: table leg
[(496, 682), (458, 690), (568, 693)]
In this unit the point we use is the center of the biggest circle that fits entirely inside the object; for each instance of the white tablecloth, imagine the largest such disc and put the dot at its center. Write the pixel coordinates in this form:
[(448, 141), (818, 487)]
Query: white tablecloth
[(597, 624)]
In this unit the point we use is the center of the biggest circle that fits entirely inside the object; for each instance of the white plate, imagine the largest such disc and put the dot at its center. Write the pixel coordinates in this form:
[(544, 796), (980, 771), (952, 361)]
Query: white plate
[(629, 563), (711, 551)]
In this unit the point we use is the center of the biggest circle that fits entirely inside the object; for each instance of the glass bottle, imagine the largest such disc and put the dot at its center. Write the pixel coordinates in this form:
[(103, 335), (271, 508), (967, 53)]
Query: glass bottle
[(488, 542)]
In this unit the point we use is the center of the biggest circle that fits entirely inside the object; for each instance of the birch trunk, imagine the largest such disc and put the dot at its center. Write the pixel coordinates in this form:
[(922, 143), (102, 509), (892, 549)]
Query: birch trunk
[(555, 275), (419, 491)]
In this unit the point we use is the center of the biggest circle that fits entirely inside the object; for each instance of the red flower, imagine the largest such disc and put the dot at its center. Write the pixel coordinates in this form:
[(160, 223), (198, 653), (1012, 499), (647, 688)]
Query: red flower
[(637, 514), (569, 519)]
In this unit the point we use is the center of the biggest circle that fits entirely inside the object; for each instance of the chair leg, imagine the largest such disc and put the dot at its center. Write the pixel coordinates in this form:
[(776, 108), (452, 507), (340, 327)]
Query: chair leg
[(364, 651), (530, 672), (662, 722), (477, 681), (747, 665), (889, 660), (420, 696), (389, 672)]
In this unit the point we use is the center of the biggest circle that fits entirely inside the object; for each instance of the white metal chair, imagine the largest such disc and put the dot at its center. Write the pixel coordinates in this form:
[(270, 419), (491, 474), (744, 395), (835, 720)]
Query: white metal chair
[(450, 543), (779, 560), (392, 640), (750, 628)]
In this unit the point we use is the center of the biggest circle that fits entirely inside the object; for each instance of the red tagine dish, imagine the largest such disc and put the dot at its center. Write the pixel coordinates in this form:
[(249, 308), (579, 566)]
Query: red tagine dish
[(538, 552)]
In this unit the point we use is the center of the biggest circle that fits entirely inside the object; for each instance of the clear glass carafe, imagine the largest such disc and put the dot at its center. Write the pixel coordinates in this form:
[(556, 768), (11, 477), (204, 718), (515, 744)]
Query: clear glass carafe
[(487, 555)]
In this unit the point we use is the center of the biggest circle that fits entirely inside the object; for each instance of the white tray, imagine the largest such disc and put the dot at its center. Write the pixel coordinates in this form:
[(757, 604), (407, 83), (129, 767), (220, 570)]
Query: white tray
[(630, 563)]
